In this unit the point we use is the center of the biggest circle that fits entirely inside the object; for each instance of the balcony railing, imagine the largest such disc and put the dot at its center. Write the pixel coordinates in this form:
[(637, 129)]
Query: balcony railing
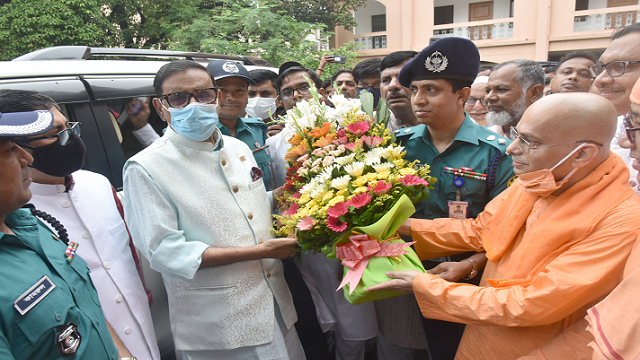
[(371, 42), (605, 21), (478, 32)]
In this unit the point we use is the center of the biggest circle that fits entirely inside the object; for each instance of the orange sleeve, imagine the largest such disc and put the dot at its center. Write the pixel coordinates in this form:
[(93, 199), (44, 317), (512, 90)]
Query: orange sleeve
[(582, 275), (446, 236)]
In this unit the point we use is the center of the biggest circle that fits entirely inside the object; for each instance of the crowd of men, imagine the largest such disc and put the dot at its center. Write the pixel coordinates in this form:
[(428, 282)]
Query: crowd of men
[(537, 260)]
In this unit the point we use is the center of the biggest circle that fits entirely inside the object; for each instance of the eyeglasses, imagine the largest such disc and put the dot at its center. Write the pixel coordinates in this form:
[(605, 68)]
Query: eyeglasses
[(526, 146), (287, 94), (614, 68), (472, 101), (181, 99), (63, 136), (629, 120)]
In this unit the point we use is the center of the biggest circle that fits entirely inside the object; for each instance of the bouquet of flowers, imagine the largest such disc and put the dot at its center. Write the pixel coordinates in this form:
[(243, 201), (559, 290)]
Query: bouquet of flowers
[(349, 188)]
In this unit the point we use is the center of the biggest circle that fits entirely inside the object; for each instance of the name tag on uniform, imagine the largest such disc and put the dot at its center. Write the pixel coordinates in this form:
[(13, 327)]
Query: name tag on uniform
[(34, 295), (458, 209)]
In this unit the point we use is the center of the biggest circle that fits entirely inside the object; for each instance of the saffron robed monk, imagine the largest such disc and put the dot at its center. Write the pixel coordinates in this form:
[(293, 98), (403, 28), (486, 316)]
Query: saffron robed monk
[(556, 240)]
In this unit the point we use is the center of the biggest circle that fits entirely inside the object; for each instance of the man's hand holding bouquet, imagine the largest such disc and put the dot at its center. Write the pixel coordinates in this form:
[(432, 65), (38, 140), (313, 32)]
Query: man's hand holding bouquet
[(348, 190)]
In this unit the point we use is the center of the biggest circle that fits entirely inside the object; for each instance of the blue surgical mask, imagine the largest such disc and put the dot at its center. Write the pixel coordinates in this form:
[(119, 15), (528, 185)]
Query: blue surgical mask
[(375, 92), (196, 121)]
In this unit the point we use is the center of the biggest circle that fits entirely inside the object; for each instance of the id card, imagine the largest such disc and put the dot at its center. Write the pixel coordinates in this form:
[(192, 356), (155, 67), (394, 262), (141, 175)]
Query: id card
[(458, 209)]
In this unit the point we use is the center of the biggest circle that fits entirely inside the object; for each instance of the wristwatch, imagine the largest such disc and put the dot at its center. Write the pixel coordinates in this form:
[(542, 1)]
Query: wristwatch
[(473, 272), (129, 358)]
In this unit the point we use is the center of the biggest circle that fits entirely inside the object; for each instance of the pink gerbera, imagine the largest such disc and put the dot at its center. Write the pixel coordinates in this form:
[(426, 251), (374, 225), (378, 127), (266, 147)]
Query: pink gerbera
[(372, 141), (380, 188), (306, 223), (335, 224), (358, 128), (359, 200), (411, 180), (338, 209), (292, 209), (296, 195)]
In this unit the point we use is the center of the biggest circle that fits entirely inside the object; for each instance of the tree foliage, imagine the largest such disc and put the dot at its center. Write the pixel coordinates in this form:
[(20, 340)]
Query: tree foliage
[(331, 13), (28, 25), (276, 30)]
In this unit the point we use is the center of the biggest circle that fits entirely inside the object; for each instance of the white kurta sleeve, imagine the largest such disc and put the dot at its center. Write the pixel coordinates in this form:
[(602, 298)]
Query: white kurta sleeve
[(153, 223)]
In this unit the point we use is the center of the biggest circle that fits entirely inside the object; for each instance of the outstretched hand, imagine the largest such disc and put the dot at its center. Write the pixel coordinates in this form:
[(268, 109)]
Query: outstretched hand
[(403, 281), (452, 271)]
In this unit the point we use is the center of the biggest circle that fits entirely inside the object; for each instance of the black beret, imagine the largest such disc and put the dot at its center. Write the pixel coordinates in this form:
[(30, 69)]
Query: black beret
[(451, 58)]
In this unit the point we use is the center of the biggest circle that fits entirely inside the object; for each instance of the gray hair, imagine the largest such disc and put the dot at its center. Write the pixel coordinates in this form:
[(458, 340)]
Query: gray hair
[(530, 74)]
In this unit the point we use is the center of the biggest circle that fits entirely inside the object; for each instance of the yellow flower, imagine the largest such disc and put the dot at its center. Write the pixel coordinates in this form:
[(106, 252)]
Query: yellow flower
[(398, 162), (360, 190), (335, 200), (384, 175), (327, 196), (407, 171), (302, 213), (360, 181), (305, 198), (371, 177)]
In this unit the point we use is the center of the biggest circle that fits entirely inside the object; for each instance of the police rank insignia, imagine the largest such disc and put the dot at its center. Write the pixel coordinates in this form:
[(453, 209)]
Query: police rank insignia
[(230, 67), (436, 62), (68, 339)]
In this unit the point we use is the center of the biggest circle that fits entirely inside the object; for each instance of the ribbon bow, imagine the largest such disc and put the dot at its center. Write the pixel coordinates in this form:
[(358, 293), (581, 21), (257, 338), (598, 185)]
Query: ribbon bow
[(359, 251)]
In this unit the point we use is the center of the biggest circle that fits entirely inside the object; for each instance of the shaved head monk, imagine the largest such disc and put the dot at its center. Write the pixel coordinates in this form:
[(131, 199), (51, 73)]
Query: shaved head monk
[(556, 239)]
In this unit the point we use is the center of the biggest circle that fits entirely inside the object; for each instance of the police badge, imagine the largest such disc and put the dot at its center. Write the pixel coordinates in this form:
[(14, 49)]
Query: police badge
[(436, 62), (68, 339), (230, 67)]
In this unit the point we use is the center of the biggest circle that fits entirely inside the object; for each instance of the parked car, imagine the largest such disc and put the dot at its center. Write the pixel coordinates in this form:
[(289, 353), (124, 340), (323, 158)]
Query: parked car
[(90, 85)]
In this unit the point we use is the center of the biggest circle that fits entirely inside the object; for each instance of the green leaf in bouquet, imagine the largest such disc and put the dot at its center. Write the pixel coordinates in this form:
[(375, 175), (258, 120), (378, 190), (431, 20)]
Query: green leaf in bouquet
[(366, 101), (382, 112)]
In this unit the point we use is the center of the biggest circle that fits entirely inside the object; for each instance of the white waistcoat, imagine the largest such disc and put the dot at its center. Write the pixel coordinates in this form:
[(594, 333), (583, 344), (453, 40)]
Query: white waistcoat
[(89, 213), (216, 202)]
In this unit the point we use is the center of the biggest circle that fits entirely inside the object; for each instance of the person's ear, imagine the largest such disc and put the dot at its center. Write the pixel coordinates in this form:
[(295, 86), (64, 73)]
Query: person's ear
[(534, 93), (585, 155), (462, 96), (279, 102), (161, 110)]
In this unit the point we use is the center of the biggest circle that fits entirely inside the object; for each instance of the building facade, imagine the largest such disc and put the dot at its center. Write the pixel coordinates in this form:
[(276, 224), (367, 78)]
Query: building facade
[(502, 29)]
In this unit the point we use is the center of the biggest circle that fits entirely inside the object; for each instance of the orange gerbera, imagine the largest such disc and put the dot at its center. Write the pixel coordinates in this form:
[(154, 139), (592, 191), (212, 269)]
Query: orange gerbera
[(295, 140), (296, 152), (319, 132), (324, 141)]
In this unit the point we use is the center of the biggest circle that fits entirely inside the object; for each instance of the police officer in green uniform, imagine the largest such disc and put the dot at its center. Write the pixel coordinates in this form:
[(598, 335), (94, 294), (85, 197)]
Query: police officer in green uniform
[(49, 308), (232, 81), (468, 160)]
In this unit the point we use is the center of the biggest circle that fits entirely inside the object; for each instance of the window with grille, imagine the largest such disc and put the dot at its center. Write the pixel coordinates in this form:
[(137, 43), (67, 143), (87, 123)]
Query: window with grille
[(378, 23)]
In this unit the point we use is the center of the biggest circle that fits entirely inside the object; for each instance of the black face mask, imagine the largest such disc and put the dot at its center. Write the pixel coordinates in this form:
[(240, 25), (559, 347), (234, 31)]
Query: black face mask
[(58, 160), (375, 92)]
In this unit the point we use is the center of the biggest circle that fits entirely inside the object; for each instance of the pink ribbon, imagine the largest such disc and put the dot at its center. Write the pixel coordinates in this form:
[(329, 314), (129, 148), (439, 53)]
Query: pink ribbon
[(356, 256)]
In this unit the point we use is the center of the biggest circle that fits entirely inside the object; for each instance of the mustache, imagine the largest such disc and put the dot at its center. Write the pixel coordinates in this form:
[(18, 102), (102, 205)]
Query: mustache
[(395, 94)]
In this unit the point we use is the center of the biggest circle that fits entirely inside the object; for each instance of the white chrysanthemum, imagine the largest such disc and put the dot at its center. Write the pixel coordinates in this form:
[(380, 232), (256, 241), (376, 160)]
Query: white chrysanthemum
[(309, 187), (382, 167), (387, 152), (354, 169), (327, 172), (344, 160), (341, 182), (373, 156), (318, 192)]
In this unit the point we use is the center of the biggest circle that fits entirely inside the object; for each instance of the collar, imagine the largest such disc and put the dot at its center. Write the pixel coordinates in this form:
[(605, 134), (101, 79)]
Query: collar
[(240, 126), (468, 132), (176, 138), (19, 218)]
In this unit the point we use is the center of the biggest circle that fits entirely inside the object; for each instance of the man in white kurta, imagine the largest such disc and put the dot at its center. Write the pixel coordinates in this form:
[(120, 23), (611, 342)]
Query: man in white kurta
[(199, 212)]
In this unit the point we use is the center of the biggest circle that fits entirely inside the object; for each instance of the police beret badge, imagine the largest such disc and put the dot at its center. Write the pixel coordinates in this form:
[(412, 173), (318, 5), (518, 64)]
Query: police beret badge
[(436, 62), (230, 67)]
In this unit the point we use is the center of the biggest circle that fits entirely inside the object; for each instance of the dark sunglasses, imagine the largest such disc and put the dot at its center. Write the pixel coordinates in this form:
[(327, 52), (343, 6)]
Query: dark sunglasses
[(63, 136)]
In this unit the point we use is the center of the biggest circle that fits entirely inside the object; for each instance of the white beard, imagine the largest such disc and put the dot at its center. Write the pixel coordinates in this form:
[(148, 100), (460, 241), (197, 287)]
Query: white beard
[(504, 118)]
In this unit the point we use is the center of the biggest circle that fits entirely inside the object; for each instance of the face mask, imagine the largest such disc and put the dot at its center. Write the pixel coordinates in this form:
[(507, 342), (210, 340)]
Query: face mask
[(542, 182), (196, 121), (259, 107), (58, 160), (375, 92)]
